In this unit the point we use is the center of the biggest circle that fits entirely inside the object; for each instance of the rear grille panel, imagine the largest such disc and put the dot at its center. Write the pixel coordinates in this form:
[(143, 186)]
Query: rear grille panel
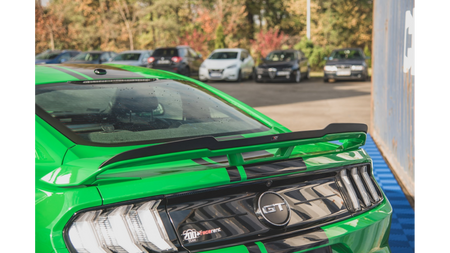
[(225, 216)]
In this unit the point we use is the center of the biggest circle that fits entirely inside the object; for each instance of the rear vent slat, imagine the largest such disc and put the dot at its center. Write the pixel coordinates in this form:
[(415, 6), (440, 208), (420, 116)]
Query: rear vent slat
[(359, 187)]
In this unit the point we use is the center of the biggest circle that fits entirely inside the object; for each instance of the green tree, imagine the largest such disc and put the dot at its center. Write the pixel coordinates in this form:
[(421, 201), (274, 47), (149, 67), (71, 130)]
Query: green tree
[(219, 41), (367, 53)]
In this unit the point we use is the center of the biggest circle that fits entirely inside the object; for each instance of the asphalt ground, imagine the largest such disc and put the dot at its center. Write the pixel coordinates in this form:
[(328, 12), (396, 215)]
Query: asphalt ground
[(313, 104), (309, 105)]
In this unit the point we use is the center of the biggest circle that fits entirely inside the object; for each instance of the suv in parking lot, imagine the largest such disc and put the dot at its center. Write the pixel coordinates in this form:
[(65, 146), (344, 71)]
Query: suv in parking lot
[(181, 59)]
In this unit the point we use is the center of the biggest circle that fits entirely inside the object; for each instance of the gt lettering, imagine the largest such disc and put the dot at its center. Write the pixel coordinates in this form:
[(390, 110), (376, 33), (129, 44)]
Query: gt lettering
[(272, 208)]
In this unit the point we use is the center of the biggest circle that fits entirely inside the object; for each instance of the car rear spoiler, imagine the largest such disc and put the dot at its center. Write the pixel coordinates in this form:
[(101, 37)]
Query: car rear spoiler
[(212, 143), (347, 136)]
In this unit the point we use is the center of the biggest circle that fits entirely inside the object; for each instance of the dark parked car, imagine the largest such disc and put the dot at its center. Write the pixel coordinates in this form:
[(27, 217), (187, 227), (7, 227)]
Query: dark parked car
[(346, 64), (181, 59), (55, 56), (93, 57), (283, 65)]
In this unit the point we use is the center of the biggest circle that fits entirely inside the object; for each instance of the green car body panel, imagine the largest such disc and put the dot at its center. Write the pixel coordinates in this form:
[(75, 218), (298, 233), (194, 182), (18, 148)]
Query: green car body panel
[(68, 178)]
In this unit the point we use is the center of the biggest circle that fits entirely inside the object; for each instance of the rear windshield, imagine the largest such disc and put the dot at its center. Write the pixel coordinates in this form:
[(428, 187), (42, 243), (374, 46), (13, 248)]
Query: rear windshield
[(145, 112), (165, 52), (223, 55), (127, 57)]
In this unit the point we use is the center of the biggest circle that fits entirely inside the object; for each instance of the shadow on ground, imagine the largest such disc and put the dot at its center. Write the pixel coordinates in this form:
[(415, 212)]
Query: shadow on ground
[(268, 94)]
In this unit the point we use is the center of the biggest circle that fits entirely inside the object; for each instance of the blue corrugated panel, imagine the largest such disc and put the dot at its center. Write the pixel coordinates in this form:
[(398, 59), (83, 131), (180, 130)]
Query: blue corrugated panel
[(401, 238)]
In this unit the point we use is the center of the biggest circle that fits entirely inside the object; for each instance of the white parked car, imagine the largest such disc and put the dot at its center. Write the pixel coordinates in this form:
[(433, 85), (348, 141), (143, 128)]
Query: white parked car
[(230, 64)]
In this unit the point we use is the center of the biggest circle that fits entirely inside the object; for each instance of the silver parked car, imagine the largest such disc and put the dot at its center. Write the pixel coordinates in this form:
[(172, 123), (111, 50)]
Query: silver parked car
[(133, 57)]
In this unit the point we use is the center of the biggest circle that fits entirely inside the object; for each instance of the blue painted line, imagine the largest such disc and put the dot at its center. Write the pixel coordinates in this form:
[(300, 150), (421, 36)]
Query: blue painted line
[(401, 238)]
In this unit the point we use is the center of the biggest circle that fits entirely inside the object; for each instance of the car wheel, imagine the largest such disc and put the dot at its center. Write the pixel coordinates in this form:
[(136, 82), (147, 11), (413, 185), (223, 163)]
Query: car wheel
[(297, 76), (325, 80), (255, 76), (186, 72), (239, 78)]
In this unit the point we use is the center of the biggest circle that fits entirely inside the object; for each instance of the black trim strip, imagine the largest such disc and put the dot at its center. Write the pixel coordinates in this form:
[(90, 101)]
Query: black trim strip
[(274, 168), (252, 248), (220, 159), (229, 137), (111, 71), (80, 77), (211, 143), (326, 249), (233, 172)]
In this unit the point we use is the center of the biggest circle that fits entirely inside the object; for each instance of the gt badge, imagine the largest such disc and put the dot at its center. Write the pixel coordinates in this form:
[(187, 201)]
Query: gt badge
[(192, 235), (272, 209)]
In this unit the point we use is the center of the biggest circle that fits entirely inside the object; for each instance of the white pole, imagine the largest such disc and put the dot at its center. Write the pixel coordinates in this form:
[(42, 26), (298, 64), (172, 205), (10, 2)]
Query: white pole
[(308, 20)]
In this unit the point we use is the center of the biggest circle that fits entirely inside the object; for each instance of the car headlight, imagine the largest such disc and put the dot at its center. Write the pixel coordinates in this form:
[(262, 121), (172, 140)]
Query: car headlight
[(357, 67), (232, 66), (127, 228), (330, 68)]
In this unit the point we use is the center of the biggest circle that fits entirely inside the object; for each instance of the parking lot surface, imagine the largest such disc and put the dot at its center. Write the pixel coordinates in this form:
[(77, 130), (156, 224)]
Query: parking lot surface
[(308, 105)]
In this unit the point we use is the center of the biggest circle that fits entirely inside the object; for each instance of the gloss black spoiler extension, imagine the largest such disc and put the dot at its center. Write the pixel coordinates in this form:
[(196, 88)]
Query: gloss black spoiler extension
[(212, 143)]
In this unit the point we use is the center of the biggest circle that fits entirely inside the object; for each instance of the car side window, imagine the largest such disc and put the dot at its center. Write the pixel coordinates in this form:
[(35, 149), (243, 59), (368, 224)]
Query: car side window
[(243, 55), (182, 52), (104, 57), (65, 57), (192, 53), (145, 56), (73, 54)]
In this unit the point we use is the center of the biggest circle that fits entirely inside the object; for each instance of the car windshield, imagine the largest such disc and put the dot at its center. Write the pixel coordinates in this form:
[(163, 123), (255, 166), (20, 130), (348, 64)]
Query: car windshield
[(350, 54), (147, 112), (223, 55), (47, 55), (165, 52), (86, 57), (127, 57), (281, 56)]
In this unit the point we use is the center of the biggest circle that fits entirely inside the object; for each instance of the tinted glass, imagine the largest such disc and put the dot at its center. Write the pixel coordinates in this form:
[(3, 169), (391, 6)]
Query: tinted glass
[(281, 56), (65, 56), (47, 55), (86, 57), (165, 52), (148, 111), (346, 54), (127, 57), (223, 55)]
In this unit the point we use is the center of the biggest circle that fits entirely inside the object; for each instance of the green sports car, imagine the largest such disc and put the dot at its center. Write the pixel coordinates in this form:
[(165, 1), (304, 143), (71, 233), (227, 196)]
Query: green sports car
[(130, 159)]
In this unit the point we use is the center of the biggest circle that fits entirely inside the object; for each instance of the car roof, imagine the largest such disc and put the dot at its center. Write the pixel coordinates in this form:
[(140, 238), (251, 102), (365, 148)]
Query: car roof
[(348, 48), (284, 50), (134, 51), (57, 73), (228, 49), (96, 52)]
